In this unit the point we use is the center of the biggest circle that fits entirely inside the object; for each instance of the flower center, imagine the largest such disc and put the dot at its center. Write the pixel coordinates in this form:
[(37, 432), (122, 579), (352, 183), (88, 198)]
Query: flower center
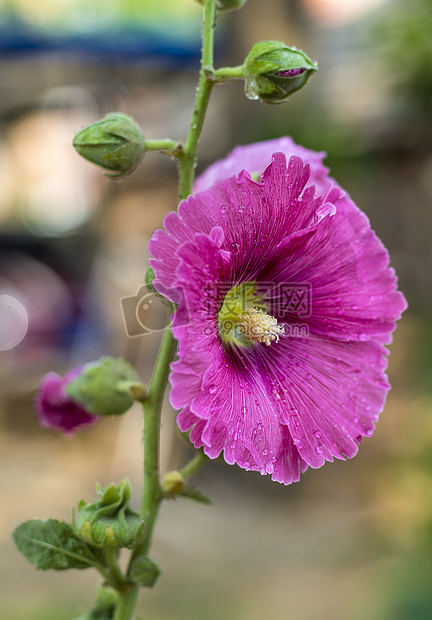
[(258, 326), (243, 318)]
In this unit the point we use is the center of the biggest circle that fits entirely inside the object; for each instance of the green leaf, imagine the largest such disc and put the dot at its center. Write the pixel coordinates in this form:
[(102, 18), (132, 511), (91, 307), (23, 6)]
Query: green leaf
[(52, 544), (193, 493)]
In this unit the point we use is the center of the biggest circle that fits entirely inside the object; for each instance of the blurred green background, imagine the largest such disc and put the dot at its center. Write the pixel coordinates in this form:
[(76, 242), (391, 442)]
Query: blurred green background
[(351, 540)]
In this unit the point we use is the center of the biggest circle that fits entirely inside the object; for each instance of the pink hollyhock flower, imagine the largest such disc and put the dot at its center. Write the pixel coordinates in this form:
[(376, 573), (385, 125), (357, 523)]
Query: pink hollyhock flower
[(285, 300), (56, 409)]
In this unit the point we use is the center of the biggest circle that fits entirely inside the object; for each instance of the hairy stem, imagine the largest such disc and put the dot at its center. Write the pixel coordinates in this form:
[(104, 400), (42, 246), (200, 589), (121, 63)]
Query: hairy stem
[(191, 468), (187, 158), (228, 73)]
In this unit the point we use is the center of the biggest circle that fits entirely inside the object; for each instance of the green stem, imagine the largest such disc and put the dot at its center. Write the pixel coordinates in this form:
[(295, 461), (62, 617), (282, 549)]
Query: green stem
[(111, 556), (126, 601), (187, 158), (194, 465), (228, 73), (152, 406), (170, 146)]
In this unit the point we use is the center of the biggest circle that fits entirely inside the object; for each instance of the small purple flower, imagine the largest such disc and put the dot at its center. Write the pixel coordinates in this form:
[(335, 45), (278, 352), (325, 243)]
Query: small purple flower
[(56, 409), (285, 300)]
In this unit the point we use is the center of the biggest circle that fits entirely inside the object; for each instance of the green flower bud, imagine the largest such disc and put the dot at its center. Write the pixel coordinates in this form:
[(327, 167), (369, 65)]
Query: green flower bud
[(107, 521), (273, 71), (173, 483), (106, 387), (115, 143), (145, 572)]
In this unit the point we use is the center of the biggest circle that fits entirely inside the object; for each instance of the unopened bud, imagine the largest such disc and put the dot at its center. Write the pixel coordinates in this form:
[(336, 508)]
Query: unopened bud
[(108, 521), (104, 387), (173, 483), (145, 572), (115, 143), (273, 71)]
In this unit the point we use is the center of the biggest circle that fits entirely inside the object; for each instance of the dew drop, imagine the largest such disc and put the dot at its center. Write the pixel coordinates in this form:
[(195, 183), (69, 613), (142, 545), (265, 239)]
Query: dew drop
[(243, 410), (241, 209), (317, 434), (265, 452), (319, 449), (269, 468), (212, 389), (293, 412), (362, 337), (259, 426), (235, 247), (308, 377)]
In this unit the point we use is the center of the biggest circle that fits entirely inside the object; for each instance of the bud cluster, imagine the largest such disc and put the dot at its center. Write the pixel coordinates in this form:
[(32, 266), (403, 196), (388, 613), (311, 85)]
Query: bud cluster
[(108, 521)]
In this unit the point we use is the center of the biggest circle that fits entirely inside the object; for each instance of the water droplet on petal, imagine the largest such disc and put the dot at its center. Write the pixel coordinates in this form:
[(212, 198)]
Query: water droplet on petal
[(317, 434), (243, 410), (235, 247), (293, 412), (269, 468), (319, 449), (309, 377), (212, 389), (362, 337), (241, 209)]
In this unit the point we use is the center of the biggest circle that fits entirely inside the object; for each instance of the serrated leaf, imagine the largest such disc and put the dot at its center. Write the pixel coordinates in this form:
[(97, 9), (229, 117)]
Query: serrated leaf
[(193, 493), (52, 544)]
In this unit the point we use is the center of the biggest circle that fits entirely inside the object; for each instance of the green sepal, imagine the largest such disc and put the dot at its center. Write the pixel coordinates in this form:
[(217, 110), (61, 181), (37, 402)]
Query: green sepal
[(115, 143), (192, 492), (52, 544), (263, 71), (108, 521), (104, 387), (149, 277), (145, 572)]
